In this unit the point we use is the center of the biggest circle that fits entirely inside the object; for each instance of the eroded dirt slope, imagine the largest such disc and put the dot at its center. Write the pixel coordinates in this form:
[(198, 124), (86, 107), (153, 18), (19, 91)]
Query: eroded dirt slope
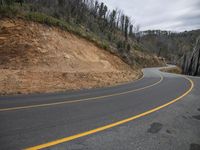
[(37, 58)]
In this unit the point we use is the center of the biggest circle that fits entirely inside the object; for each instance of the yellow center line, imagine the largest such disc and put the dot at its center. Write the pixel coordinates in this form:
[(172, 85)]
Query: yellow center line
[(73, 137), (80, 100)]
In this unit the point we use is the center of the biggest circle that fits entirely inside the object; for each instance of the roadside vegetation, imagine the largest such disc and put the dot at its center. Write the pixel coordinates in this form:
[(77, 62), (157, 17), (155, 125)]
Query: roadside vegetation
[(176, 70)]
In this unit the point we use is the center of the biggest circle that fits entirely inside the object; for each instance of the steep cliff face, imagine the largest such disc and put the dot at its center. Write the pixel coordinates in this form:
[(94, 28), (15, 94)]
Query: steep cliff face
[(190, 62)]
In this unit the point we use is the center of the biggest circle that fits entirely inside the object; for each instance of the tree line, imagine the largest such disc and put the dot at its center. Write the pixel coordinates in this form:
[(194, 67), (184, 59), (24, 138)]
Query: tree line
[(95, 15), (171, 45)]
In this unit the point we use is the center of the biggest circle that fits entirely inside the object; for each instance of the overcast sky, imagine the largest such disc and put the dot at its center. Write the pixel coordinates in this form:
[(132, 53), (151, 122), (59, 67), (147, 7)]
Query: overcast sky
[(174, 15)]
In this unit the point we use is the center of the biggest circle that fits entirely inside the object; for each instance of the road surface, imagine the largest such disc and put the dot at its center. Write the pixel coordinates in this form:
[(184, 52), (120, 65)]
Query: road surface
[(159, 111)]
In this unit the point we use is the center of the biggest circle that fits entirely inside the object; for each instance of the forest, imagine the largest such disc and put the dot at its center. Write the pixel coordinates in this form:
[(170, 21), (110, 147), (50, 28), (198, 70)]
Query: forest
[(171, 45), (182, 48)]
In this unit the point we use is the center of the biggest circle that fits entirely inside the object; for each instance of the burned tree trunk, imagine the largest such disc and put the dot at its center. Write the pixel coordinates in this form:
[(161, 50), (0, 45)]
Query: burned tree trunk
[(197, 68), (191, 62)]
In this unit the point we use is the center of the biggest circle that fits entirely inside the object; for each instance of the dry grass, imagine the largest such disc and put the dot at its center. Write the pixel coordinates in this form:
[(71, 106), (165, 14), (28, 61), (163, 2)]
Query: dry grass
[(176, 70)]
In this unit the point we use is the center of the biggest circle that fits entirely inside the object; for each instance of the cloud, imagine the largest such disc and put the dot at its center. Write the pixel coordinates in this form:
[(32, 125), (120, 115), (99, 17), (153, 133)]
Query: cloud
[(176, 15)]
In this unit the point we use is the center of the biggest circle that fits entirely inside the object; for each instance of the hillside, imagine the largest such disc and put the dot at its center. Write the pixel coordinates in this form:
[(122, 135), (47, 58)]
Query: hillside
[(49, 46), (169, 45), (36, 58), (181, 48)]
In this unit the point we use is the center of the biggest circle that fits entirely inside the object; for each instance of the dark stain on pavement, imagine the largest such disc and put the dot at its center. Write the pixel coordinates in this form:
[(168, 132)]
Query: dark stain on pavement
[(194, 146), (196, 117), (198, 109), (184, 117), (171, 131), (155, 127), (168, 131)]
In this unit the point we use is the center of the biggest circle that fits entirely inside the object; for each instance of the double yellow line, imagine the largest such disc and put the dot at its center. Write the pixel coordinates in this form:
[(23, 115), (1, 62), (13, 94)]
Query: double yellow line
[(80, 100), (66, 139)]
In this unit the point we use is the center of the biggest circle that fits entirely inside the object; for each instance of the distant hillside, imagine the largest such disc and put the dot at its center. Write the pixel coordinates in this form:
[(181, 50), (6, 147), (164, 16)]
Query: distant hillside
[(170, 45)]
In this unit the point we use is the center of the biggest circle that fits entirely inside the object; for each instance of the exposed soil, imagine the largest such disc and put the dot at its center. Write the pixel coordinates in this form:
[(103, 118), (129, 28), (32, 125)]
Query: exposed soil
[(35, 58)]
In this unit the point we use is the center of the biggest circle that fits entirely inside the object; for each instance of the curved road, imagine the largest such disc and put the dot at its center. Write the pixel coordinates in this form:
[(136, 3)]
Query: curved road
[(105, 118)]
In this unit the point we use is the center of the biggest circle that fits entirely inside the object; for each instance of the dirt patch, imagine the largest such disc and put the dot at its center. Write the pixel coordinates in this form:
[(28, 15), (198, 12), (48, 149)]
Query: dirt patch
[(155, 127), (16, 82), (35, 58)]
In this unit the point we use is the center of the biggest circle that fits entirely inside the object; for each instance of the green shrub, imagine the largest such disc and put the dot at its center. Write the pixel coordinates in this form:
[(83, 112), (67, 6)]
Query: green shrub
[(8, 2), (119, 45), (105, 46), (9, 10), (41, 18), (138, 47), (128, 47)]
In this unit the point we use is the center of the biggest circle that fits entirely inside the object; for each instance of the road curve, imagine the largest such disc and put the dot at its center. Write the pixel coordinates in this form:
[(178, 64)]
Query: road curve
[(42, 121)]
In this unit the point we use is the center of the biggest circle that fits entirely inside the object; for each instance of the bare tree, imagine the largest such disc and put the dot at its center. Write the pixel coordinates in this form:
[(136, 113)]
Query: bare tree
[(137, 34), (112, 19), (127, 22), (122, 22), (131, 30)]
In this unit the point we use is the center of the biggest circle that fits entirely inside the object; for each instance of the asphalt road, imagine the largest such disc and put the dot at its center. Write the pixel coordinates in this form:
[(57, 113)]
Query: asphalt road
[(159, 111)]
